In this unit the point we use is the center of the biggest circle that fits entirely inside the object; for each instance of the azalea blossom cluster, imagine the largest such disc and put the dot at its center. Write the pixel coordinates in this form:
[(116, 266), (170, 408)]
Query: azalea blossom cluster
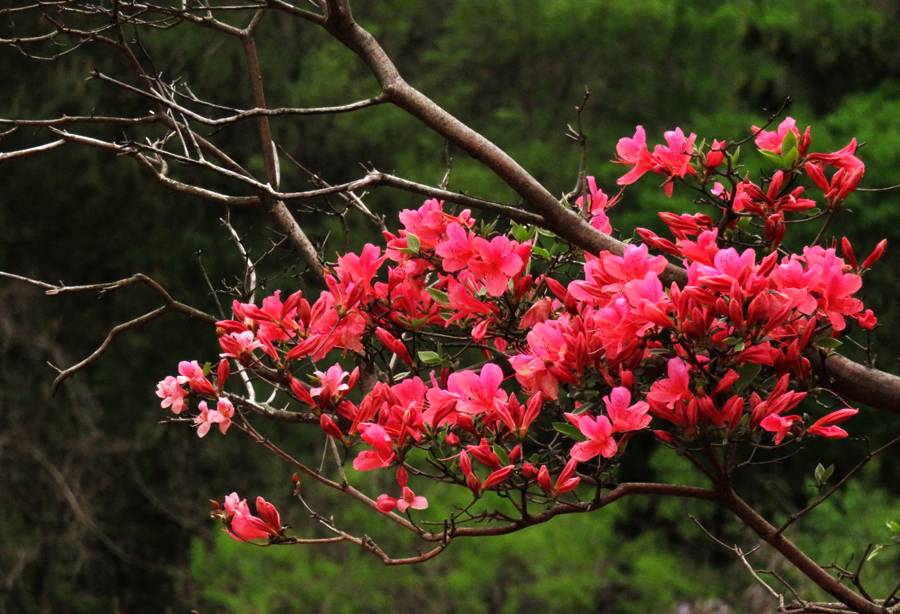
[(242, 524), (511, 361)]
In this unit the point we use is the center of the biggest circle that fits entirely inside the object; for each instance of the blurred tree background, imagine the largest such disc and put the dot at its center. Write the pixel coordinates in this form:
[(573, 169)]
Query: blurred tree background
[(104, 508)]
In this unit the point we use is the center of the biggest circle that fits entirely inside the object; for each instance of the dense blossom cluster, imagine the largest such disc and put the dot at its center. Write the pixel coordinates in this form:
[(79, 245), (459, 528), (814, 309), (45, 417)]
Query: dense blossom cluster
[(558, 346)]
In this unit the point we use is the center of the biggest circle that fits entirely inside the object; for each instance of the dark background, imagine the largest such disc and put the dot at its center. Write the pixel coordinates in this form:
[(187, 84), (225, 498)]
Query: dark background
[(104, 509)]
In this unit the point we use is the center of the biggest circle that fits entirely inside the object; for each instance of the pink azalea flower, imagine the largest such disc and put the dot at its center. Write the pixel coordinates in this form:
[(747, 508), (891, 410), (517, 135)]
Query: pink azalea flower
[(409, 500), (239, 345), (426, 222), (633, 152), (192, 374), (172, 394), (674, 158), (666, 392), (599, 202), (478, 393), (332, 386), (188, 371), (226, 412), (244, 526), (599, 433), (495, 262), (360, 269), (382, 452), (456, 250), (780, 425), (768, 140), (538, 370), (205, 419), (626, 416)]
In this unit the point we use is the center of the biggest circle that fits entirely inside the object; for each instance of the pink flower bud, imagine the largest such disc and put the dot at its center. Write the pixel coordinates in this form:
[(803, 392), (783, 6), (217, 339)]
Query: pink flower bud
[(330, 427), (847, 252), (876, 254)]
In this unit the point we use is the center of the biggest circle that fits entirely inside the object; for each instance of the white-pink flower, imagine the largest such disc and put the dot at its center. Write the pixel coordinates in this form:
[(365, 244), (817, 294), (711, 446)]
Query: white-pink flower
[(172, 394)]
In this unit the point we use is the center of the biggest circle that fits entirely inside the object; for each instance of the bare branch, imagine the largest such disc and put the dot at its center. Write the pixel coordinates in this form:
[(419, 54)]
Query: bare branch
[(279, 211), (169, 305), (21, 153), (819, 500), (797, 557), (83, 119), (241, 115)]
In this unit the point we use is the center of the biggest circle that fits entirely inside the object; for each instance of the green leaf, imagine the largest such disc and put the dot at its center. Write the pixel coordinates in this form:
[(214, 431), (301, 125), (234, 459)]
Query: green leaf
[(771, 157), (418, 322), (501, 452), (830, 343), (539, 251), (439, 296), (789, 151), (894, 527), (569, 431), (789, 142), (486, 228), (520, 233), (207, 368), (788, 159), (748, 372), (822, 473), (875, 552), (429, 358), (412, 243)]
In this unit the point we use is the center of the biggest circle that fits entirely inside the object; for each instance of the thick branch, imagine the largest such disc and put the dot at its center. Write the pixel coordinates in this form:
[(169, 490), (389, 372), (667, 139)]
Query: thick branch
[(809, 567), (856, 381), (283, 217)]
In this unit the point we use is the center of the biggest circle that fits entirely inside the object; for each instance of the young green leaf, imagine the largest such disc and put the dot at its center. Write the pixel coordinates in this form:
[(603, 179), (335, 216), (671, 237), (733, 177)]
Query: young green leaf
[(569, 431), (429, 358)]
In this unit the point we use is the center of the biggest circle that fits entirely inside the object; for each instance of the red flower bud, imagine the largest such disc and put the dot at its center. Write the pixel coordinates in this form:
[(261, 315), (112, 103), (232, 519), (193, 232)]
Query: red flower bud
[(300, 391), (222, 373), (847, 252), (330, 427), (876, 254)]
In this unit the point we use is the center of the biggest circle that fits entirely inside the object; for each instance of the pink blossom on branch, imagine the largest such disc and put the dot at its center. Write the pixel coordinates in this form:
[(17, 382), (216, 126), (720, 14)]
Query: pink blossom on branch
[(172, 394), (242, 525), (452, 322), (599, 442)]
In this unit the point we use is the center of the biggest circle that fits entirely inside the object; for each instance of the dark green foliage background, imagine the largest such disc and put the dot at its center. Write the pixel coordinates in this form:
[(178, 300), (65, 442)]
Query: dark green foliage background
[(103, 507)]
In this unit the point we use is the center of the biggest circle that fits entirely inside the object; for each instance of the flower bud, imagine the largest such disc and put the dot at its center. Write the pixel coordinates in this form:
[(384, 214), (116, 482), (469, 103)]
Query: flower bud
[(876, 254)]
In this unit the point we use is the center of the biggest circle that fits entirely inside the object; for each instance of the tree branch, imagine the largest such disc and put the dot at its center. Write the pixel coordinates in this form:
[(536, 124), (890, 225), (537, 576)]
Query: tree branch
[(810, 568), (169, 305)]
